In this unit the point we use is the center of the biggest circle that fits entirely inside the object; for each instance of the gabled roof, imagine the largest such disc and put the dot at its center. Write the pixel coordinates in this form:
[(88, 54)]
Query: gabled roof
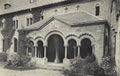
[(71, 19), (21, 5), (18, 5)]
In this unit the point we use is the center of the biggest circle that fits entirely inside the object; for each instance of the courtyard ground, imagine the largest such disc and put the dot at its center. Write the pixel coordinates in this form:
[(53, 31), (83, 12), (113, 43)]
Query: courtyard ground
[(37, 72)]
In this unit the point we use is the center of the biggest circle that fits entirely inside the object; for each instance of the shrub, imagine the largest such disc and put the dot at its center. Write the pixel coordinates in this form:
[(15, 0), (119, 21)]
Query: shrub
[(82, 67), (108, 64), (18, 62), (3, 57)]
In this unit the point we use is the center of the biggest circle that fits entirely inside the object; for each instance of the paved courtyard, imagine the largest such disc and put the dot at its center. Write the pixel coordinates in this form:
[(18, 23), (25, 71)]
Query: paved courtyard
[(37, 72)]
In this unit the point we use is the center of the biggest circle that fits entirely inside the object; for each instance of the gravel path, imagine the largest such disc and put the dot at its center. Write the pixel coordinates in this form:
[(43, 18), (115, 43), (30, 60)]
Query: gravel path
[(37, 72)]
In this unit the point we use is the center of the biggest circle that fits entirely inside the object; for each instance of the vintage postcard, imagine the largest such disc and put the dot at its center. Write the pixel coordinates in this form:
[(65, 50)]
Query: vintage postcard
[(59, 37)]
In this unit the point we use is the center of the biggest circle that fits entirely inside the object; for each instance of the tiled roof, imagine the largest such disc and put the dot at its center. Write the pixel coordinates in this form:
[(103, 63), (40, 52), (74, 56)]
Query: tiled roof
[(18, 5), (70, 19)]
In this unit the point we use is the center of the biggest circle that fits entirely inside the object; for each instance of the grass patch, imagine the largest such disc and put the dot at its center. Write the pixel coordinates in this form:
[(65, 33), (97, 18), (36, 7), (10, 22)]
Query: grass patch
[(20, 68)]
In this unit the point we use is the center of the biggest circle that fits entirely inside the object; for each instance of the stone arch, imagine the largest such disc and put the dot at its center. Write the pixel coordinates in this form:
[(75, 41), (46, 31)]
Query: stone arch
[(89, 36), (55, 49), (37, 39), (31, 39), (72, 49), (69, 37), (52, 33), (91, 42)]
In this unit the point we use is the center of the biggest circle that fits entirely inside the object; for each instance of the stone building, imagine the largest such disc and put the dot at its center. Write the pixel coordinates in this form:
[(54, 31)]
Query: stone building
[(56, 31)]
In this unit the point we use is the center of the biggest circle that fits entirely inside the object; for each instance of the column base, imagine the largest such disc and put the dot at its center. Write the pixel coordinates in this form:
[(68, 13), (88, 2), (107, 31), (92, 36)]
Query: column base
[(66, 63), (45, 60), (56, 61)]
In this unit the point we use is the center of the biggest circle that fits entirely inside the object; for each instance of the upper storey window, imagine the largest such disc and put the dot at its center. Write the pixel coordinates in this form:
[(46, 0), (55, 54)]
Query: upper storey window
[(29, 19), (3, 23), (66, 9), (15, 24), (31, 1), (77, 7), (7, 5), (97, 10)]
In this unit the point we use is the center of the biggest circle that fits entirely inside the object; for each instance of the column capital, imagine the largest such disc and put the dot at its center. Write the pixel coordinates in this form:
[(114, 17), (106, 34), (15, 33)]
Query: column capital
[(79, 45), (65, 45)]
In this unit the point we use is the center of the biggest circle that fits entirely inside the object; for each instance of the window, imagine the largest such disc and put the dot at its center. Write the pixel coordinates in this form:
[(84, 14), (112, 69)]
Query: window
[(31, 1), (29, 21), (77, 7), (15, 24), (15, 45), (3, 44), (66, 9), (1, 26), (3, 23), (97, 10), (6, 6)]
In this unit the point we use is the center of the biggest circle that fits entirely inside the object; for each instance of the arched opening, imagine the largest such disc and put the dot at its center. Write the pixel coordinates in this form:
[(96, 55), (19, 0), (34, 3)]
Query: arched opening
[(40, 49), (72, 49), (31, 48), (15, 45), (55, 50), (86, 48)]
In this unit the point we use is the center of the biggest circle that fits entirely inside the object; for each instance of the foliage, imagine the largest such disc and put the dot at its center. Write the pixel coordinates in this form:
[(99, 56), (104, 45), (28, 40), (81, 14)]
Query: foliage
[(3, 57), (82, 67), (18, 62), (108, 64)]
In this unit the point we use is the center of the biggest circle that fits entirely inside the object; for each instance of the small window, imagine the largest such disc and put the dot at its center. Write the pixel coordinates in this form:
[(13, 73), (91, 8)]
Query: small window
[(3, 45), (3, 23), (16, 24), (13, 24), (66, 9), (31, 1), (97, 10), (27, 21), (31, 21), (1, 26), (15, 44), (6, 6), (77, 7)]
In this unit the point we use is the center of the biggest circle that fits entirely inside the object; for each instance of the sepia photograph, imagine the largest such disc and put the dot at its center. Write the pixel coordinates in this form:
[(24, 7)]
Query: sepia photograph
[(59, 37)]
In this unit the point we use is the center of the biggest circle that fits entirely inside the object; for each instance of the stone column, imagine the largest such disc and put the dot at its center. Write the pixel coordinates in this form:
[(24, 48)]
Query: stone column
[(74, 51), (27, 51), (45, 57), (35, 51), (57, 56), (93, 49), (65, 52), (45, 49), (78, 50)]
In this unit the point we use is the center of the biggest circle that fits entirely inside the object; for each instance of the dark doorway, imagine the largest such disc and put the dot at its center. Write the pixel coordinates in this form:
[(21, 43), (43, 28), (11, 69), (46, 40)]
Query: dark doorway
[(40, 49), (72, 49), (55, 48), (86, 48)]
